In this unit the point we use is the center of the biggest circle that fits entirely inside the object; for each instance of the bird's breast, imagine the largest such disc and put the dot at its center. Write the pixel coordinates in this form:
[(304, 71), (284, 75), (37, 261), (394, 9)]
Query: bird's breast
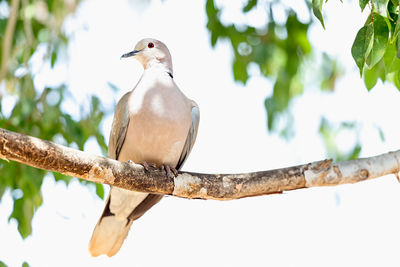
[(160, 117)]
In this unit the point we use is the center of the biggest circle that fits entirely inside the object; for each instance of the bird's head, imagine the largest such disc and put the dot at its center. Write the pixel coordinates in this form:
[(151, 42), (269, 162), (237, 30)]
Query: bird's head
[(151, 51)]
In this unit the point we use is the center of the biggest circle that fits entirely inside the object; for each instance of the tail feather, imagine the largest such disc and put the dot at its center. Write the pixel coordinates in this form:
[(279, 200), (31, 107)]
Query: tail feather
[(122, 208), (108, 236)]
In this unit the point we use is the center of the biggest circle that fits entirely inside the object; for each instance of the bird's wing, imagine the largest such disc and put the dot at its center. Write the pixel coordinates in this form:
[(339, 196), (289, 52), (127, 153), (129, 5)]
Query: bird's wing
[(119, 127), (112, 229), (191, 137)]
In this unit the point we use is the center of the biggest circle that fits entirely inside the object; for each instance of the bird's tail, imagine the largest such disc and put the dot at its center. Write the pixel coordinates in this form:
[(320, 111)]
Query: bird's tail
[(109, 234), (122, 208)]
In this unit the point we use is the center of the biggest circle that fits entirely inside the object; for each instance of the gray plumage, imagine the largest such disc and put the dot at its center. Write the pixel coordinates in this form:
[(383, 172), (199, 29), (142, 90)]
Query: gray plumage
[(154, 123)]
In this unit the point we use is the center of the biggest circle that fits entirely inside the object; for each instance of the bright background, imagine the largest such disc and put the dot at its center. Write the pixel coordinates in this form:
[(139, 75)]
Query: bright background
[(349, 225)]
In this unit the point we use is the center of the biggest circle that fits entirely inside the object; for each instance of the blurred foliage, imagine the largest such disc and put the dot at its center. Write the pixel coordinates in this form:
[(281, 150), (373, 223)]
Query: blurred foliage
[(330, 133), (279, 50), (282, 52), (27, 27), (376, 52)]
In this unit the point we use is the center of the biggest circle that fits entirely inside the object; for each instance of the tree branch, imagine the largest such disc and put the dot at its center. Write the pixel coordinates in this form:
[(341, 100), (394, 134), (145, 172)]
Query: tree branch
[(8, 37), (53, 157)]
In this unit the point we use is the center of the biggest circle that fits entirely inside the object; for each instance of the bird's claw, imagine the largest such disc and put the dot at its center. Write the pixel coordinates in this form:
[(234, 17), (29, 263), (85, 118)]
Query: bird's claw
[(169, 171), (147, 166)]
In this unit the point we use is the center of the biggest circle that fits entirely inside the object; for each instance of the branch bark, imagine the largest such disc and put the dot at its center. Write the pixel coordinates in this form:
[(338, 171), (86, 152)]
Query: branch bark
[(53, 157)]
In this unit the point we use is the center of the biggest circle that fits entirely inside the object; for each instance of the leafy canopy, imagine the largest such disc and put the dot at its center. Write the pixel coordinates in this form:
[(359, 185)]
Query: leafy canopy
[(27, 28), (279, 50), (376, 49)]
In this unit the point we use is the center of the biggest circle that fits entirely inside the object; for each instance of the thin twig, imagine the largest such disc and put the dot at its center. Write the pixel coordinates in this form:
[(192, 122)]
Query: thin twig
[(8, 37)]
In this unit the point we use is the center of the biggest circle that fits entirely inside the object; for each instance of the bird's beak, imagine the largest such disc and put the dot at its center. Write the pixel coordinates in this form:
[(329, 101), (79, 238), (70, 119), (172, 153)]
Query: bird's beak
[(130, 54)]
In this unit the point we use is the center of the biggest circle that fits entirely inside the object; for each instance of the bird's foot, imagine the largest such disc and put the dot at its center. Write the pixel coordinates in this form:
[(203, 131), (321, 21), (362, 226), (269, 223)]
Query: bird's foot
[(146, 165), (169, 171)]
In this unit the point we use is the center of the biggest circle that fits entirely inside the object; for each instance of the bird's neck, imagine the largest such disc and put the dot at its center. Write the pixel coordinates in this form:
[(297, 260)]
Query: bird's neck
[(160, 66)]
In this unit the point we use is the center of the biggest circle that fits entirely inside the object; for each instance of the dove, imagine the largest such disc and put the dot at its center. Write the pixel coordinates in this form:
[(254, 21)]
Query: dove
[(154, 124)]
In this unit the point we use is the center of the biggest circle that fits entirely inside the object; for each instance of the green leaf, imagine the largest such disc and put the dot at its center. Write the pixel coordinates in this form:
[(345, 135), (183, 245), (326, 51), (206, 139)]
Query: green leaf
[(23, 213), (213, 23), (25, 264), (381, 133), (380, 6), (396, 31), (398, 46), (249, 6), (370, 77), (61, 177), (317, 10), (100, 190), (53, 58), (281, 93), (355, 152), (240, 71), (396, 80), (2, 264), (210, 8), (392, 63), (362, 46), (363, 3), (270, 106), (380, 40)]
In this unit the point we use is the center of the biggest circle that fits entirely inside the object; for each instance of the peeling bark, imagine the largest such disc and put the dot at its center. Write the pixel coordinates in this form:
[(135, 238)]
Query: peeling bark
[(53, 157)]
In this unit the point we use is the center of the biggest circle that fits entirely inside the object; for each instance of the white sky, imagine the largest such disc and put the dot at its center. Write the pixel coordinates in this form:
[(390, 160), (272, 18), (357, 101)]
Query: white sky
[(350, 225)]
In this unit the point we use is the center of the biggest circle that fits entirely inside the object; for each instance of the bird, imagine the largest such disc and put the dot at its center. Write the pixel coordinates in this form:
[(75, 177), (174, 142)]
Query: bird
[(154, 124)]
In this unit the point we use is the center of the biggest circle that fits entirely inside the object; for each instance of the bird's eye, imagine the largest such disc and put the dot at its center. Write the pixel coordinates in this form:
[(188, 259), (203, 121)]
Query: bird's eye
[(150, 45)]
